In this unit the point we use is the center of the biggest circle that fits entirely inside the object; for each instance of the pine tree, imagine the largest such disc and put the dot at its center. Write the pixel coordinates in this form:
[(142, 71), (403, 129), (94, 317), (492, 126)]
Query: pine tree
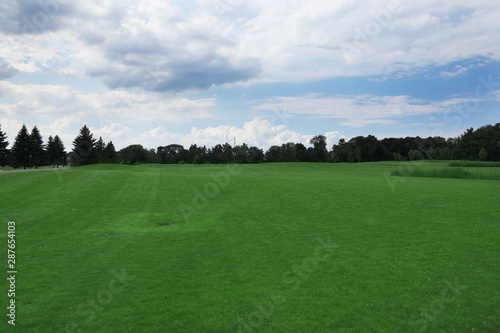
[(4, 152), (51, 152), (84, 151), (60, 151), (110, 152), (100, 147), (36, 148), (21, 148)]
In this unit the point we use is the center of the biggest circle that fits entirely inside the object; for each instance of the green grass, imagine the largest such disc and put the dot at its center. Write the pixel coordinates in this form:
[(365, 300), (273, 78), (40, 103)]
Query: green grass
[(253, 252), (449, 172), (474, 164)]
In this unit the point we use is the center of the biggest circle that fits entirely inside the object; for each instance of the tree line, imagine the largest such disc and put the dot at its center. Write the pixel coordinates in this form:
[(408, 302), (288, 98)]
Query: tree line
[(480, 144), (29, 150)]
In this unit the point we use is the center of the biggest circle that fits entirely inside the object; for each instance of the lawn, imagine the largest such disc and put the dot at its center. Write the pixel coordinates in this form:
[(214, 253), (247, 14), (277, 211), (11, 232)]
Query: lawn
[(252, 248)]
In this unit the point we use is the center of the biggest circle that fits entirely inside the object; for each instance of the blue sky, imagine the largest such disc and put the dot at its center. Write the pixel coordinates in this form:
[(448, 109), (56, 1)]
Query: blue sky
[(260, 72)]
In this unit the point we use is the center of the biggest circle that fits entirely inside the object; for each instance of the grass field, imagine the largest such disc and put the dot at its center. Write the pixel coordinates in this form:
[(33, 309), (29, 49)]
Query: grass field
[(254, 248)]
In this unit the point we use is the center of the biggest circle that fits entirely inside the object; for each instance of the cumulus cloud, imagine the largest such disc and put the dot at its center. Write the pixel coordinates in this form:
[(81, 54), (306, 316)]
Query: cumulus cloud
[(160, 47), (257, 132)]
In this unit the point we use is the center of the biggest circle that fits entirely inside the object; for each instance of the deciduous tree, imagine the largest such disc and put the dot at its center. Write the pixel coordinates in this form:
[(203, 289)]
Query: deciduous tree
[(319, 148)]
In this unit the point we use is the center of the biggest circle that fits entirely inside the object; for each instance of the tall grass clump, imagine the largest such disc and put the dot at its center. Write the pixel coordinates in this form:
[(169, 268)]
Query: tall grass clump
[(450, 172), (474, 164)]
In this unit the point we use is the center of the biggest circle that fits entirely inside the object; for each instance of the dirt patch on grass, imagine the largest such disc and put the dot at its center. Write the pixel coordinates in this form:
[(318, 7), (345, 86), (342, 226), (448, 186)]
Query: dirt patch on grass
[(164, 224)]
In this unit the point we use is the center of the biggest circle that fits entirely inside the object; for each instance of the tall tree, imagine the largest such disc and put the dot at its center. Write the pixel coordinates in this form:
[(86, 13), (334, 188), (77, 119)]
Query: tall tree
[(472, 141), (227, 152), (4, 152), (55, 153), (339, 151), (21, 148), (301, 152), (192, 153), (172, 154), (100, 147), (358, 153), (272, 154), (255, 155), (133, 154), (51, 152), (111, 155), (60, 151), (37, 150), (319, 148), (241, 153), (83, 148), (216, 154), (287, 152)]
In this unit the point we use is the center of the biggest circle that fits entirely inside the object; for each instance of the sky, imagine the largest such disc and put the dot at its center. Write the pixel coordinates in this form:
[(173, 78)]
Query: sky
[(258, 72)]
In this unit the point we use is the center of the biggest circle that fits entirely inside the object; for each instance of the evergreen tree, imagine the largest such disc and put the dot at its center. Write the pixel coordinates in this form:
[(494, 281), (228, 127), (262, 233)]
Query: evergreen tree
[(21, 148), (60, 151), (100, 147), (84, 151), (36, 148), (50, 152), (4, 152), (111, 155)]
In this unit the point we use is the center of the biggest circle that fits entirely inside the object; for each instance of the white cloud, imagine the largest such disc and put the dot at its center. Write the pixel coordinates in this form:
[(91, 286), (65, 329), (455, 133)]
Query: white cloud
[(258, 132), (195, 44), (457, 71), (52, 100), (60, 110), (361, 110), (11, 128)]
